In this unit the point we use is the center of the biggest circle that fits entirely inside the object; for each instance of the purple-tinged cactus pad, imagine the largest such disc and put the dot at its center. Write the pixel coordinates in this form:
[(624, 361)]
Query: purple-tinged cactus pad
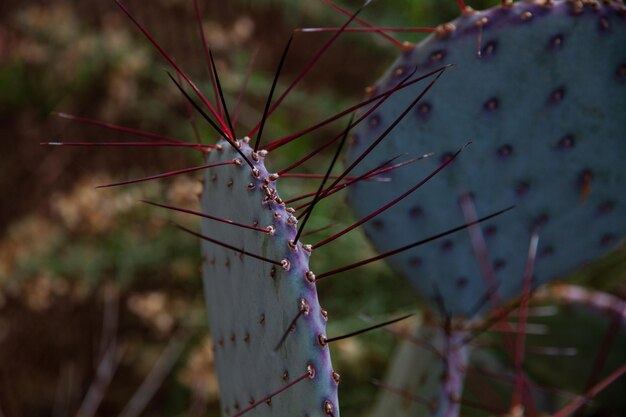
[(252, 302), (540, 90), (426, 376)]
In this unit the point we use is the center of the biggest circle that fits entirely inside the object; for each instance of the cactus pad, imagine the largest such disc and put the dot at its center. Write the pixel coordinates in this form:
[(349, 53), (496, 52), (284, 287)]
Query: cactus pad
[(425, 378), (540, 90), (252, 302)]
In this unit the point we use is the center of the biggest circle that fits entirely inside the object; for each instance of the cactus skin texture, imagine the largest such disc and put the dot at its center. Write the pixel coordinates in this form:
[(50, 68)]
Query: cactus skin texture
[(252, 302), (540, 90)]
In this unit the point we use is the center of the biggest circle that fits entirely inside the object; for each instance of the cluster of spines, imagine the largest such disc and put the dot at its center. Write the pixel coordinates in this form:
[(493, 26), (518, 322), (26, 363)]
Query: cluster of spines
[(293, 265)]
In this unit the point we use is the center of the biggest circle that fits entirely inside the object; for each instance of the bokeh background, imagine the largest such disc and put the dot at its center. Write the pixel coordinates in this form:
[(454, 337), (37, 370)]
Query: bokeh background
[(99, 292)]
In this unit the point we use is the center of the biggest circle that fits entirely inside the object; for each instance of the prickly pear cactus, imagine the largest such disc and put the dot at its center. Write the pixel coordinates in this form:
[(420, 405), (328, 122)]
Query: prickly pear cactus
[(425, 377), (429, 377), (253, 302), (540, 90)]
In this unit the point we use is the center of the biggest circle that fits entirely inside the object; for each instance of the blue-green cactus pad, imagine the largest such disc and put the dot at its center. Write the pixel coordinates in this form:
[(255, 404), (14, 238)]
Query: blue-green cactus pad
[(425, 377), (540, 90), (252, 302)]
